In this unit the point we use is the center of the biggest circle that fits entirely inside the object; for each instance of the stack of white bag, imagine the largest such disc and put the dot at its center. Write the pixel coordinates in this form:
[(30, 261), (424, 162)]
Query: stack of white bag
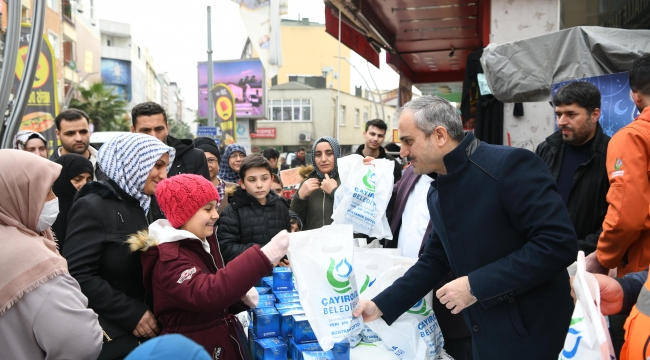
[(322, 263), (588, 336), (363, 195), (414, 335)]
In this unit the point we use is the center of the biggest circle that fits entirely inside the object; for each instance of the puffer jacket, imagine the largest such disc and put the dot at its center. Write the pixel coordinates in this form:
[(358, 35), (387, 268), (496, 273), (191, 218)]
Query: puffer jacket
[(315, 211), (246, 222), (194, 293), (100, 221)]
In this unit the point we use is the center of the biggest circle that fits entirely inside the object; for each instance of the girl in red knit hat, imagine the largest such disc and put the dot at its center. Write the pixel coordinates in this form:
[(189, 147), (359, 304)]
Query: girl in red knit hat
[(194, 293)]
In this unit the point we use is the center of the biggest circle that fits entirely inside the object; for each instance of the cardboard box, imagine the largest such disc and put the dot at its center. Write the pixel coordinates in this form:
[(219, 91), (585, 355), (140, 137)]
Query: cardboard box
[(296, 350), (287, 305), (266, 322), (265, 304), (286, 320), (282, 278), (251, 340), (271, 349), (268, 297), (302, 331), (317, 355), (341, 350), (263, 290), (267, 281)]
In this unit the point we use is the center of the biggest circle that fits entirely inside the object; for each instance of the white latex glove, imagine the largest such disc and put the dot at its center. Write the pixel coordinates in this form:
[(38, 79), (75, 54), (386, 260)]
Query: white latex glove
[(252, 298), (277, 247)]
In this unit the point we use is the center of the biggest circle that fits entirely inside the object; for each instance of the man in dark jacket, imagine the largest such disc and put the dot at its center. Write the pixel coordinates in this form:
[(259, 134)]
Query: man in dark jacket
[(411, 226), (374, 137), (499, 225), (576, 155), (299, 159), (151, 119)]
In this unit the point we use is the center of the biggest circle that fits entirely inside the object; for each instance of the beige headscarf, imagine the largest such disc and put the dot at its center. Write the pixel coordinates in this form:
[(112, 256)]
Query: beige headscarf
[(27, 259)]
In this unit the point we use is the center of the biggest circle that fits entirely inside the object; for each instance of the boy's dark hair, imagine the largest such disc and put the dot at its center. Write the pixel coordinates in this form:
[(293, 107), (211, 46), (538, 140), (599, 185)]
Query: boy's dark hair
[(254, 161), (271, 153), (276, 179), (70, 115), (640, 75), (302, 148), (378, 123), (147, 109), (584, 94)]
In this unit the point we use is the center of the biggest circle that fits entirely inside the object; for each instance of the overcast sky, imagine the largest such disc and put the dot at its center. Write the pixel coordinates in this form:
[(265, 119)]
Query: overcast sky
[(175, 32)]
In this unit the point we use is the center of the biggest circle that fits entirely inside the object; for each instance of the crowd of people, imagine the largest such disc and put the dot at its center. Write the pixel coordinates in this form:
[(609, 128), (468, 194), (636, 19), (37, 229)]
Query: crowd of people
[(151, 236)]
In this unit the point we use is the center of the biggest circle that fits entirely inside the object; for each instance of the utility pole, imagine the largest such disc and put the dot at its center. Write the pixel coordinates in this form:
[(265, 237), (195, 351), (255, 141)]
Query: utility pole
[(338, 92), (210, 70)]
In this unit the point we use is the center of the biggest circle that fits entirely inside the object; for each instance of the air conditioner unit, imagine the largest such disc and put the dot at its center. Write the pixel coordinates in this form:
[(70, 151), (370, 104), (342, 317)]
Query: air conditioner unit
[(304, 136)]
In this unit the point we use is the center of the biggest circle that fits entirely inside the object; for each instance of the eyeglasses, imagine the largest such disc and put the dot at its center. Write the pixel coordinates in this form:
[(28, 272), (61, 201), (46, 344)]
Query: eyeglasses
[(212, 160), (236, 155)]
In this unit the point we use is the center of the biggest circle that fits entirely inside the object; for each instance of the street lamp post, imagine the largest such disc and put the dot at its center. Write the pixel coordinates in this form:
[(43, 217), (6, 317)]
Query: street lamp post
[(364, 80)]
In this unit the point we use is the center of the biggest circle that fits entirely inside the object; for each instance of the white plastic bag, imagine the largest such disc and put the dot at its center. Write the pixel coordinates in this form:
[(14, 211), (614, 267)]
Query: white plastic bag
[(363, 195), (415, 335), (588, 336), (322, 261)]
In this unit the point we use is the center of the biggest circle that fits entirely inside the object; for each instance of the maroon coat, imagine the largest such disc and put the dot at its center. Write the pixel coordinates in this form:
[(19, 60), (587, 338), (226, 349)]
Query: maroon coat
[(195, 295)]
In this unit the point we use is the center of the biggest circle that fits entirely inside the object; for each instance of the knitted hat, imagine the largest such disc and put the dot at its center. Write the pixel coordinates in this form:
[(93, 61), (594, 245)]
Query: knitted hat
[(181, 196)]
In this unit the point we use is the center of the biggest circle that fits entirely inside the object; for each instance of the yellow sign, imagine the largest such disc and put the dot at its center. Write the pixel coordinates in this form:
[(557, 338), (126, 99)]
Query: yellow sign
[(224, 108), (395, 136), (42, 69)]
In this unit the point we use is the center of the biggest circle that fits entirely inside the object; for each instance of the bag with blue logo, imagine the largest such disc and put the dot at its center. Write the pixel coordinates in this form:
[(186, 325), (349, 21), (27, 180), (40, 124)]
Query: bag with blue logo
[(322, 263), (415, 335), (363, 195), (588, 336)]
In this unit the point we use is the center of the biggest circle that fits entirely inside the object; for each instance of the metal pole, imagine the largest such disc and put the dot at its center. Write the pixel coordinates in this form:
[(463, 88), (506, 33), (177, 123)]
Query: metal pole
[(9, 63), (338, 92), (383, 115), (210, 70), (25, 87)]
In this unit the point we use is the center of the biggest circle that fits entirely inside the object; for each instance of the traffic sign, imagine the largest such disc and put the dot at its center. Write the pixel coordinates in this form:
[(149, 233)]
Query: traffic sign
[(209, 131)]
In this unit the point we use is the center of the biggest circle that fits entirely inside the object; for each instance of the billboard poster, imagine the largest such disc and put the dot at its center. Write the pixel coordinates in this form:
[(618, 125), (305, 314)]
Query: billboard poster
[(117, 73), (616, 106), (243, 135), (42, 103), (245, 78), (225, 113)]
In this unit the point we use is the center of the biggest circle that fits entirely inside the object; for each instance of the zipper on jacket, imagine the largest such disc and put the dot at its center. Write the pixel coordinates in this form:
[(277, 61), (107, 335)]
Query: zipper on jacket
[(238, 346), (119, 225), (108, 338), (324, 195), (216, 355)]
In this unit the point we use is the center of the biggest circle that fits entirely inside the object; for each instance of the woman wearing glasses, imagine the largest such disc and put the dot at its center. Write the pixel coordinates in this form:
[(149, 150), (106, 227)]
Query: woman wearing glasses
[(213, 157)]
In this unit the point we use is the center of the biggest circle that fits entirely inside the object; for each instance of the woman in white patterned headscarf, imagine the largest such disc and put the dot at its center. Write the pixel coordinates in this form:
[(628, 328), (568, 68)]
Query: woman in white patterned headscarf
[(100, 221)]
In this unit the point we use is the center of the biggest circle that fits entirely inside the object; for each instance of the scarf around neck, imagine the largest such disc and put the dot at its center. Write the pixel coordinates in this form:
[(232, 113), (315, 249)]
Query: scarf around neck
[(27, 259), (225, 171), (127, 159), (337, 154)]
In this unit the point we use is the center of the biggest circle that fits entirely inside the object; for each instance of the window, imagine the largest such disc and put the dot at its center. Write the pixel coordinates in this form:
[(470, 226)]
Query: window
[(67, 11), (342, 116), (54, 41), (108, 42), (365, 114), (68, 52), (53, 4), (356, 117), (139, 53), (290, 110)]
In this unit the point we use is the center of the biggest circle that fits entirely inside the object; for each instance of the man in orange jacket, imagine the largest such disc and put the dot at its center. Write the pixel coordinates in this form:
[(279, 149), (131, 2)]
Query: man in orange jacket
[(625, 240)]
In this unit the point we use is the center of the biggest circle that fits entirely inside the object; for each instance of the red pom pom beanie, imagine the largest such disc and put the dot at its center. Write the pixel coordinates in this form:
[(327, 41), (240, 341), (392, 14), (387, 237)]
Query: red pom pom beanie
[(181, 196)]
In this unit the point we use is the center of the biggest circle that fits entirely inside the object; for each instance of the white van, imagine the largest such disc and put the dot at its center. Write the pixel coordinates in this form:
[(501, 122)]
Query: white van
[(97, 139)]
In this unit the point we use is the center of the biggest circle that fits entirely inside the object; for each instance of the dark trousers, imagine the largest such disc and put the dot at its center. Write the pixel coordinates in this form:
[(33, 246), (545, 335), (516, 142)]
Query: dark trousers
[(617, 332), (459, 349)]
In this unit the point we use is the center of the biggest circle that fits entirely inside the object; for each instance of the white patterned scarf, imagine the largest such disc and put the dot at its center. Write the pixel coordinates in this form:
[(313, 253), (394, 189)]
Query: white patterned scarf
[(128, 159)]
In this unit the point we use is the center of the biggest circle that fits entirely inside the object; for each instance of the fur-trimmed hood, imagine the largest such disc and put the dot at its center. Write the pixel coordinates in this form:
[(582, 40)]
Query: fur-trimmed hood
[(160, 232), (305, 171)]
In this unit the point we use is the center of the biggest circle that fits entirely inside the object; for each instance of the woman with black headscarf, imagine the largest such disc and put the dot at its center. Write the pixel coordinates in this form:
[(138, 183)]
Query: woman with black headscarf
[(314, 201), (76, 172)]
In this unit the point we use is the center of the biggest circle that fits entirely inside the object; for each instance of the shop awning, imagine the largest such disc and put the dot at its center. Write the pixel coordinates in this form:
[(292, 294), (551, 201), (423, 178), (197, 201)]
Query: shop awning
[(426, 40)]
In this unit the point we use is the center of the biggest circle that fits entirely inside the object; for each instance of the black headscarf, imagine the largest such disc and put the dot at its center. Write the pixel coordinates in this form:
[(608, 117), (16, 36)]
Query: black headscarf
[(208, 145), (73, 165)]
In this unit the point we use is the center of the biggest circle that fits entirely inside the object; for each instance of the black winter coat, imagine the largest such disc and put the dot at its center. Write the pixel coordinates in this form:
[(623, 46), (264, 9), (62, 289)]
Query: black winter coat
[(188, 160), (245, 222), (587, 204), (100, 221)]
